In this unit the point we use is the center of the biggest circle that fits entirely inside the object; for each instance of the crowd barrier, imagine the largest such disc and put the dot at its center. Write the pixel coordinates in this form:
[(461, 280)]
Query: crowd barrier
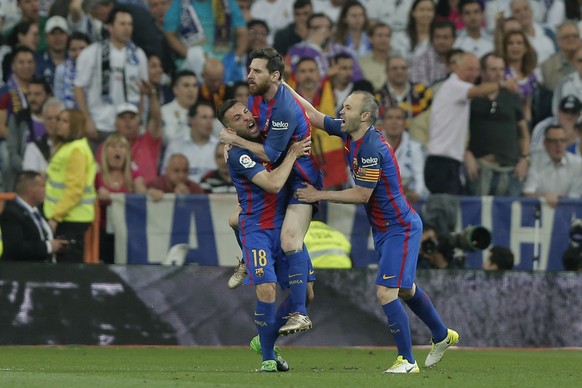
[(42, 304), (145, 231)]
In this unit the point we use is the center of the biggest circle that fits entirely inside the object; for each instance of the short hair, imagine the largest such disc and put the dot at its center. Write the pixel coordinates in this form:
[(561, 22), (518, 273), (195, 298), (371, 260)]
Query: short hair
[(502, 257), (116, 10), (78, 35), (182, 73), (463, 3), (305, 59), (24, 180), (485, 58), (441, 25), (273, 58), (567, 23), (391, 57), (301, 3), (177, 155), (257, 22), (369, 104), (343, 55), (21, 28), (319, 15), (20, 50), (36, 80), (550, 127), (399, 109), (77, 126), (372, 29), (53, 101), (223, 108), (193, 111), (451, 54)]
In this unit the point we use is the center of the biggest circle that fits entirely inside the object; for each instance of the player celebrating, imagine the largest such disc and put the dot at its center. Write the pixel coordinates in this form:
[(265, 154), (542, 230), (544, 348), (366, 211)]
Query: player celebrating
[(396, 227), (263, 204), (281, 120)]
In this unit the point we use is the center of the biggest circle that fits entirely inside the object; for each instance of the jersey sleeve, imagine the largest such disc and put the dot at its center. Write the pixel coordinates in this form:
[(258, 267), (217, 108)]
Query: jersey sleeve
[(333, 126), (282, 125), (244, 163), (368, 165)]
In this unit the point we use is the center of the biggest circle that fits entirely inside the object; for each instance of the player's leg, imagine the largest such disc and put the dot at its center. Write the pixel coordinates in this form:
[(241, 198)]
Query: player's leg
[(240, 270), (295, 225)]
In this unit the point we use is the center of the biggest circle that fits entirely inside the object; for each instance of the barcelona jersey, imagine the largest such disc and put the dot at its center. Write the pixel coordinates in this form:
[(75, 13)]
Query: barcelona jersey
[(260, 210)]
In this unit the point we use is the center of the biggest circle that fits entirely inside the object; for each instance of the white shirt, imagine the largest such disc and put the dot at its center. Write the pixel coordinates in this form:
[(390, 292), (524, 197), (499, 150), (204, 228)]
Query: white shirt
[(33, 159), (410, 157), (541, 43), (10, 14), (479, 47), (394, 13), (570, 84), (539, 133), (88, 76), (544, 176), (401, 45), (200, 156), (449, 119), (277, 15), (493, 7), (175, 121)]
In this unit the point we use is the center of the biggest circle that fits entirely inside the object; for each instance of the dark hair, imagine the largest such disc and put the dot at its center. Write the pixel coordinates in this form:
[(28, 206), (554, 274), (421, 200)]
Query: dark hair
[(372, 29), (21, 28), (301, 3), (411, 26), (443, 8), (369, 104), (193, 111), (486, 57), (342, 55), (441, 25), (77, 35), (23, 180), (317, 16), (502, 257), (223, 108), (182, 73), (341, 33), (529, 60), (113, 14), (463, 3), (273, 58), (305, 59), (572, 259), (573, 10), (19, 50), (36, 80), (231, 90), (550, 127), (254, 22), (452, 53)]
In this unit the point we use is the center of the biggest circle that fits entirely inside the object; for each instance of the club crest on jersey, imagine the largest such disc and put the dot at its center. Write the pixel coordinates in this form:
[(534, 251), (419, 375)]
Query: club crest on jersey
[(246, 161), (259, 272)]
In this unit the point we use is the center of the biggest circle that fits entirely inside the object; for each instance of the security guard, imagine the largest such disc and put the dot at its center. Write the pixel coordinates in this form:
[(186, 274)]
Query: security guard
[(328, 248)]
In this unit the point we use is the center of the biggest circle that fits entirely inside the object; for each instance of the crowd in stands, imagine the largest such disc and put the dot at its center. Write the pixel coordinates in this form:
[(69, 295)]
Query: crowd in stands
[(477, 97)]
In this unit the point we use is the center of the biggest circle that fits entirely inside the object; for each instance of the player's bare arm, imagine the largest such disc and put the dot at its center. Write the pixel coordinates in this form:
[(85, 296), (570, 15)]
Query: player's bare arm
[(354, 195)]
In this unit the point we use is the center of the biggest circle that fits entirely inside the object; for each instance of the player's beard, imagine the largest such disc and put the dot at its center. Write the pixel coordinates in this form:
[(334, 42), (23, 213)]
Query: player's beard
[(259, 89)]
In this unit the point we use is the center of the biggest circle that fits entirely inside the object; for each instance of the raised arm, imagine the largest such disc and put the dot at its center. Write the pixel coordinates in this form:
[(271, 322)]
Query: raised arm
[(315, 116)]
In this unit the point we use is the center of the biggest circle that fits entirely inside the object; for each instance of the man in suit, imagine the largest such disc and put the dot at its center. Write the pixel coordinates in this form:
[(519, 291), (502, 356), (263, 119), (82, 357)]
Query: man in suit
[(26, 234)]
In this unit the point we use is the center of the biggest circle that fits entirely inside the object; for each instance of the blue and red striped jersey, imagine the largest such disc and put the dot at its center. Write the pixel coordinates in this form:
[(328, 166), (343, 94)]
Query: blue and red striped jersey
[(260, 210), (373, 165)]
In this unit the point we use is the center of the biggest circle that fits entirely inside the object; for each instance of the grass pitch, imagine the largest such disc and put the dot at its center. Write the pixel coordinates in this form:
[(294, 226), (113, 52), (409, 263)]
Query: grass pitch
[(114, 367)]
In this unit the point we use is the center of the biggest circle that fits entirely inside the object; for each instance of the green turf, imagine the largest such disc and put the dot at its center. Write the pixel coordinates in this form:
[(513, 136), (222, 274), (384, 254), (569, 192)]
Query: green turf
[(113, 367)]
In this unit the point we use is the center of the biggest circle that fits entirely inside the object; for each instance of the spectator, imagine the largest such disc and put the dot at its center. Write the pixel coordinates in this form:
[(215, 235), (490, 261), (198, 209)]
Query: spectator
[(449, 121), (399, 91), (64, 85), (213, 88), (341, 81), (38, 153), (450, 10), (431, 66), (473, 38), (70, 195), (392, 13), (158, 9), (175, 113), (195, 30), (351, 28), (218, 181), (540, 39), (570, 84), (199, 146), (320, 47), (26, 126), (497, 158), (374, 64), (415, 39), (30, 10), (236, 68), (554, 173), (562, 63), (520, 63), (294, 32), (27, 236), (25, 34), (117, 175), (159, 80), (108, 74), (175, 180), (239, 91), (328, 150), (495, 8), (499, 259), (409, 154), (568, 115), (277, 14), (328, 247), (52, 59)]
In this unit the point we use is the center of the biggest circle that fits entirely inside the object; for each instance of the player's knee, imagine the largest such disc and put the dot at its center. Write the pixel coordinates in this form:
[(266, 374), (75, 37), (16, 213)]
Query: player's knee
[(405, 294), (266, 292), (291, 244), (386, 294)]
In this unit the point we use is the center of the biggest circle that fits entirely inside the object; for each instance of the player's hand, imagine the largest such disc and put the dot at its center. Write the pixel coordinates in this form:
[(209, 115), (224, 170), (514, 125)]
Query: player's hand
[(228, 136), (301, 148), (521, 169), (471, 166), (308, 194)]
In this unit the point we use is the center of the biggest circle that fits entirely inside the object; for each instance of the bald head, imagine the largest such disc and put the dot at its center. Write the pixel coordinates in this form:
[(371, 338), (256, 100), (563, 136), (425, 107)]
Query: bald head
[(468, 67), (213, 74)]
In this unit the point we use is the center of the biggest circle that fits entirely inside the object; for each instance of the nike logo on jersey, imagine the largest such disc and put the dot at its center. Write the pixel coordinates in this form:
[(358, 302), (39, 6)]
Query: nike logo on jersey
[(311, 272), (386, 277)]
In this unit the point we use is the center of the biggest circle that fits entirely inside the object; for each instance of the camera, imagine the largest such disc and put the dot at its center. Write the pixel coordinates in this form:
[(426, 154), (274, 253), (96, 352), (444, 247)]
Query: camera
[(572, 257), (576, 233), (471, 239)]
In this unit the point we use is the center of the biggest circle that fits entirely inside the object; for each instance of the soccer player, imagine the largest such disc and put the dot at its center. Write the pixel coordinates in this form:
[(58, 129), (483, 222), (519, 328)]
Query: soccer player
[(281, 120), (263, 199), (396, 227)]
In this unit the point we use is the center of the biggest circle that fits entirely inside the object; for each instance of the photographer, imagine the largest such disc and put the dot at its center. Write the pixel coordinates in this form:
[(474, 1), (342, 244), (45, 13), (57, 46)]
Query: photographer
[(433, 255), (572, 257)]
